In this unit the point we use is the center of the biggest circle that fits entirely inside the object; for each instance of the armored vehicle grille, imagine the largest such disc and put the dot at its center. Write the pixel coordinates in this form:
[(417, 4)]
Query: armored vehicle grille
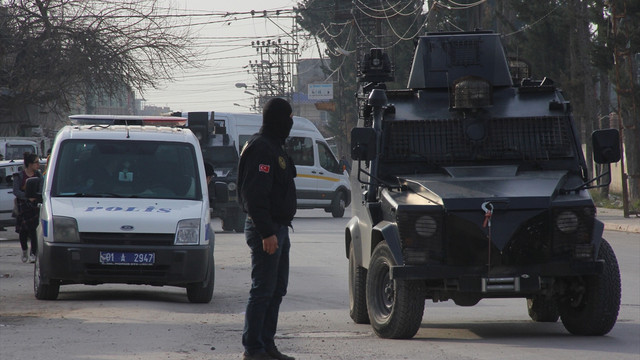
[(565, 242), (445, 141), (127, 239), (536, 241), (531, 244), (420, 234)]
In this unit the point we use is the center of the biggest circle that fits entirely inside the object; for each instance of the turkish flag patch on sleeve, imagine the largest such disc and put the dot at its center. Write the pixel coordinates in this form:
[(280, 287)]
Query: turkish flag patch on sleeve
[(264, 168)]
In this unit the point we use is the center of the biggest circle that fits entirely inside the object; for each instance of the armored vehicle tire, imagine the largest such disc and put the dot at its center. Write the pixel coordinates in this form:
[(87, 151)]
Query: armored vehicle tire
[(198, 294), (227, 223), (357, 290), (44, 291), (592, 308), (395, 307), (240, 219), (542, 309), (338, 204)]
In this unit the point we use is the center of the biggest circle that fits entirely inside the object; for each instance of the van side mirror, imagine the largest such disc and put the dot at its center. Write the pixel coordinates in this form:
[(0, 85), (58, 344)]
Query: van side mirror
[(363, 144), (33, 188), (606, 146)]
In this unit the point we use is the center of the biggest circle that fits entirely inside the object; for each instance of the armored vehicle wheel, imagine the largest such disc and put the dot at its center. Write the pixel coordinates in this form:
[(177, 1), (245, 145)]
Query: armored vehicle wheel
[(542, 309), (357, 290), (198, 294), (395, 306), (592, 307), (239, 222), (338, 205), (227, 223), (44, 291)]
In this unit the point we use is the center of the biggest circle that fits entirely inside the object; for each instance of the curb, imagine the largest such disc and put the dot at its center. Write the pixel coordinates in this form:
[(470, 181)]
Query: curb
[(630, 228)]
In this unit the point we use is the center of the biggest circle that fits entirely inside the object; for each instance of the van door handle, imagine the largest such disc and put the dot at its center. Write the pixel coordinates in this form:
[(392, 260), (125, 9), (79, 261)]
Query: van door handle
[(313, 172), (321, 173)]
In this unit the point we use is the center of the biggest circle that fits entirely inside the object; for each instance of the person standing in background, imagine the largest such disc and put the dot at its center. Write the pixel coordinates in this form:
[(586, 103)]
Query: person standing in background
[(28, 211)]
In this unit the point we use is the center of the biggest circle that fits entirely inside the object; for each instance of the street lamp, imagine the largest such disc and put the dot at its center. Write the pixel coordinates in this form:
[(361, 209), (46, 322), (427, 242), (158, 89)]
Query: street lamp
[(241, 85), (242, 106)]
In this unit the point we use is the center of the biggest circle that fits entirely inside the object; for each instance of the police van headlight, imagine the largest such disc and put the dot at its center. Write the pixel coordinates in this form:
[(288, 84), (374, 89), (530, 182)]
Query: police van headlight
[(188, 232), (65, 229)]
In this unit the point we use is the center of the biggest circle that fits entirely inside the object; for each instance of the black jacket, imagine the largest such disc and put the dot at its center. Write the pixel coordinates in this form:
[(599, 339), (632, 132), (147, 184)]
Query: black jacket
[(266, 189)]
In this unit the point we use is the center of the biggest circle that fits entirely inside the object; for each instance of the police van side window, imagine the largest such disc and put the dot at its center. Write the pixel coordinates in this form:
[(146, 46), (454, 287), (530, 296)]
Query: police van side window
[(301, 150), (327, 160)]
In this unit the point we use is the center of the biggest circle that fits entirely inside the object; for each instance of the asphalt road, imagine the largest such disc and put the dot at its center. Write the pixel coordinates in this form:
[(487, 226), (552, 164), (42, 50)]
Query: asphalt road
[(114, 322)]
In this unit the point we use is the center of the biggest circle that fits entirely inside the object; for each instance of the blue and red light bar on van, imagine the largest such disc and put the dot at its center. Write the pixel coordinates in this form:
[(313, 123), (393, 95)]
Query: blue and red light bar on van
[(128, 120)]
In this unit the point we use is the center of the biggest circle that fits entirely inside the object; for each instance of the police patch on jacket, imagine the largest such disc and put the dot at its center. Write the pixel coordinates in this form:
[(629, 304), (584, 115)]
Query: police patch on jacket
[(264, 168), (282, 162)]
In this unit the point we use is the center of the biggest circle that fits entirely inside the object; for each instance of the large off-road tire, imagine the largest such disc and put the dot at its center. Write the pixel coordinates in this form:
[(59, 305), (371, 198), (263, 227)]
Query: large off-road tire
[(542, 309), (227, 223), (240, 220), (338, 204), (395, 306), (199, 294), (592, 308), (357, 290), (44, 291)]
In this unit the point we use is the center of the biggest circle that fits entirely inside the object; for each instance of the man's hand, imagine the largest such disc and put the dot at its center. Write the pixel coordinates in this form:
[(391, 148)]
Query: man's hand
[(270, 244)]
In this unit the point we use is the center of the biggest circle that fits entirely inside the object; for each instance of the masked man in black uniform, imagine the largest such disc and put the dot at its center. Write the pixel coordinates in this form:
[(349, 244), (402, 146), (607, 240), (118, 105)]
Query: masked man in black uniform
[(267, 193)]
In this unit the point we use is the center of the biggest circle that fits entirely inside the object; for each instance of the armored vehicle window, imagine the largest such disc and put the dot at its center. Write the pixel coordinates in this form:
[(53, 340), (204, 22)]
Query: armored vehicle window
[(220, 154), (462, 141), (145, 169)]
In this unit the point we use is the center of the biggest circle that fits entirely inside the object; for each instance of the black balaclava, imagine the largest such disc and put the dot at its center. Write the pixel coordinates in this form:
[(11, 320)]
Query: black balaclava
[(276, 119)]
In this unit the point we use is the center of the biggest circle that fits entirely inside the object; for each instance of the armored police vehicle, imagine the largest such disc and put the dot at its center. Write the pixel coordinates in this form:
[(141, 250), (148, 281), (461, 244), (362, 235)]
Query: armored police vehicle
[(218, 150), (125, 200), (474, 187)]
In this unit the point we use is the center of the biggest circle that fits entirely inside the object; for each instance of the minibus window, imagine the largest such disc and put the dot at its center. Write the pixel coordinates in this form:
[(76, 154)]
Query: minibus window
[(327, 160), (301, 150)]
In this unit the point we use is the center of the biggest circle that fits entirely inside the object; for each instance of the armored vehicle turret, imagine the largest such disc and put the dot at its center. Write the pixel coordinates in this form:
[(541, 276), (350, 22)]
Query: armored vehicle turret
[(474, 185)]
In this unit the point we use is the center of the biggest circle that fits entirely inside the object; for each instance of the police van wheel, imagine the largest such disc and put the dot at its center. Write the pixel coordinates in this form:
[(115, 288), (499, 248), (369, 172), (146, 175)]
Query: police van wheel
[(357, 290), (395, 306), (337, 205), (542, 309), (198, 294), (44, 291), (592, 308)]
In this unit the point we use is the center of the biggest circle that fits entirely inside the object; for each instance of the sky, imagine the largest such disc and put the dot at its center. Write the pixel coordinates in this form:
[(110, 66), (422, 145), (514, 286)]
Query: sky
[(226, 51)]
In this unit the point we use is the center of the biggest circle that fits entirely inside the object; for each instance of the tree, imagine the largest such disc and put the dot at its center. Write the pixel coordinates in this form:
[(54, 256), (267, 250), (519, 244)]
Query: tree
[(349, 29), (625, 46), (56, 53)]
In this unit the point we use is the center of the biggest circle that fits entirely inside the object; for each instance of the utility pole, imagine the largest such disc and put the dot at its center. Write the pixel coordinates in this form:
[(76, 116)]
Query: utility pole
[(275, 68)]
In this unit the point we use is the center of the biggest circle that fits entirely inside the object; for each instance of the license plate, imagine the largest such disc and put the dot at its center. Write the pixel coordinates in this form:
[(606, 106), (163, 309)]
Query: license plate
[(126, 258)]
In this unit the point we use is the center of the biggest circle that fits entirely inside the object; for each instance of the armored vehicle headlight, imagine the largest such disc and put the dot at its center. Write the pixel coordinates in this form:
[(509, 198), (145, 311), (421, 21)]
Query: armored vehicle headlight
[(188, 232), (65, 229), (567, 222), (231, 186), (426, 226)]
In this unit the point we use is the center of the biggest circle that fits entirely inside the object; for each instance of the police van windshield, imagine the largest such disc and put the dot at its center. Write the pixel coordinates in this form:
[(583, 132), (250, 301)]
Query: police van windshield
[(144, 169)]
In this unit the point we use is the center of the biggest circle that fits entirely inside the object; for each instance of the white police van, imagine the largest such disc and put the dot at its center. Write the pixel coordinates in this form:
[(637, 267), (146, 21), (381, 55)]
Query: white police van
[(125, 201)]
